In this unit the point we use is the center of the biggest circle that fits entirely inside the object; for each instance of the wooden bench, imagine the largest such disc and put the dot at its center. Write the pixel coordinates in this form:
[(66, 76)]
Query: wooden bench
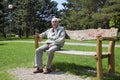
[(94, 34)]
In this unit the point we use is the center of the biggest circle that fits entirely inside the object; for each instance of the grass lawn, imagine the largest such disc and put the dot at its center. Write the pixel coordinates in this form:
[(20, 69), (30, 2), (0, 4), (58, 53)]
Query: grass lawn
[(16, 54)]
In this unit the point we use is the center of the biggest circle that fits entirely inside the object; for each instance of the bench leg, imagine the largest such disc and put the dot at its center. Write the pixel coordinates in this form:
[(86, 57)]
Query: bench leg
[(99, 69), (111, 60), (99, 58), (111, 64)]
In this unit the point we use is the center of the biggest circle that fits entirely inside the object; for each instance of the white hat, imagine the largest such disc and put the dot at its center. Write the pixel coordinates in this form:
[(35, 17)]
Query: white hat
[(55, 19)]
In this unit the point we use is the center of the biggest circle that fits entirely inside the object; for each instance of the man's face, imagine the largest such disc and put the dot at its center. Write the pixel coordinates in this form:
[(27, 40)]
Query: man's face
[(55, 24)]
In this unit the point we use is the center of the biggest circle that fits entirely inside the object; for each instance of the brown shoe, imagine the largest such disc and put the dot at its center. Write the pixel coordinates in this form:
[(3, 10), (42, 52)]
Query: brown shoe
[(38, 70), (46, 71)]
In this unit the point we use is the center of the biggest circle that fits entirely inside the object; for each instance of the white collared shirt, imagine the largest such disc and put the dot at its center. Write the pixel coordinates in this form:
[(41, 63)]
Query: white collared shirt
[(55, 36)]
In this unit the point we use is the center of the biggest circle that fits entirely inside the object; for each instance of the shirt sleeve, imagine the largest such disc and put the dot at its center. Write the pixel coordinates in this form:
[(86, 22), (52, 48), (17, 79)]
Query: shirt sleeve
[(44, 34)]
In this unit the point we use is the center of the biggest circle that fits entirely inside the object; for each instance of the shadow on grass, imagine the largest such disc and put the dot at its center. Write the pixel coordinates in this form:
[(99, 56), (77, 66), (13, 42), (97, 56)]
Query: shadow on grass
[(84, 71), (72, 68), (3, 44), (108, 76)]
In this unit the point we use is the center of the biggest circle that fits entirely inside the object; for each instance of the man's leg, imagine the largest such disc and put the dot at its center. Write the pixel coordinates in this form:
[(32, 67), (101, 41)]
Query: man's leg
[(50, 53), (38, 58), (39, 53)]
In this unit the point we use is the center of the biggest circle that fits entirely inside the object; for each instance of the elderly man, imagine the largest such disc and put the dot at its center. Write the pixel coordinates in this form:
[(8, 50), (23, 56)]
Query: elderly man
[(55, 40)]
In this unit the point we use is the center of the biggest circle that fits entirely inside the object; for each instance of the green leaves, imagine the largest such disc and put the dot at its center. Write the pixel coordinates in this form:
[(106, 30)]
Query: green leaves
[(92, 14)]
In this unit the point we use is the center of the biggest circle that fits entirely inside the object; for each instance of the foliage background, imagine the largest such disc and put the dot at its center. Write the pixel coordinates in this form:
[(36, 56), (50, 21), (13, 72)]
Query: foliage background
[(33, 16)]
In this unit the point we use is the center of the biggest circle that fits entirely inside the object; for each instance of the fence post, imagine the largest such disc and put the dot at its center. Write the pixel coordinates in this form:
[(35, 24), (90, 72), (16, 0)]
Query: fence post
[(36, 41), (111, 60), (99, 57)]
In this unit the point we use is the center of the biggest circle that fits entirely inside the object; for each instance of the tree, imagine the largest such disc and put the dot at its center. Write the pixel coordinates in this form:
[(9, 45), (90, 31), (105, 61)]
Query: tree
[(20, 12), (3, 20), (109, 11), (33, 15), (82, 14), (79, 13), (45, 11), (39, 16)]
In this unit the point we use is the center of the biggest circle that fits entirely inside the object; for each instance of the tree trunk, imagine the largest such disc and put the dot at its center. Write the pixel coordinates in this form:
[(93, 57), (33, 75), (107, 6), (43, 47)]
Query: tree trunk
[(20, 32), (27, 32), (3, 32), (115, 21)]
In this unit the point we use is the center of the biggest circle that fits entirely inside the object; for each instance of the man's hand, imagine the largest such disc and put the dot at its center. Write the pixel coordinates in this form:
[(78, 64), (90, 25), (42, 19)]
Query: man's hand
[(38, 37), (50, 45)]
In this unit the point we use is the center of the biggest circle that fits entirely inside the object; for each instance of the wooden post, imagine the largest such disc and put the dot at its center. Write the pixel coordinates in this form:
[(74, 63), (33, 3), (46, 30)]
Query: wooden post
[(111, 60), (36, 41), (99, 58)]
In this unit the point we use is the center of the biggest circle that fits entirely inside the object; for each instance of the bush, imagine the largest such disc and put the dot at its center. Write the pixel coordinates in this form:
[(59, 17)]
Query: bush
[(10, 35)]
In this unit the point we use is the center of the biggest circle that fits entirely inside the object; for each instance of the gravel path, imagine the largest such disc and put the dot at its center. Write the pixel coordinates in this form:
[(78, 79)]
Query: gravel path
[(27, 74)]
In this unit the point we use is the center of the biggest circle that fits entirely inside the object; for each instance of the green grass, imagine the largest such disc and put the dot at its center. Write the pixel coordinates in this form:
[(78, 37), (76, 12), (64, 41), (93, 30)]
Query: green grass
[(16, 38), (91, 41), (15, 54)]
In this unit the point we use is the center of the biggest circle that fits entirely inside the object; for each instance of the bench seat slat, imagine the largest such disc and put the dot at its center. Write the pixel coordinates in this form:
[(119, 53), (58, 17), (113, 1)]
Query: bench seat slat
[(84, 53)]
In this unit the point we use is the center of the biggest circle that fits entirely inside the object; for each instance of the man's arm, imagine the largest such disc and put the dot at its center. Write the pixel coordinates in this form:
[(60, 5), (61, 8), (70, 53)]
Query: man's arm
[(43, 34)]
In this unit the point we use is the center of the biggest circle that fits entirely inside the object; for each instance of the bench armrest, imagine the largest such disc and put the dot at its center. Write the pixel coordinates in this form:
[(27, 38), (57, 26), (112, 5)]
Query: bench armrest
[(109, 38)]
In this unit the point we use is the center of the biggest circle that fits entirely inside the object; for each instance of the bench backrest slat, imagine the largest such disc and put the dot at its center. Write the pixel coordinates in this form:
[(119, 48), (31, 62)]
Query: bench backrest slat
[(90, 34)]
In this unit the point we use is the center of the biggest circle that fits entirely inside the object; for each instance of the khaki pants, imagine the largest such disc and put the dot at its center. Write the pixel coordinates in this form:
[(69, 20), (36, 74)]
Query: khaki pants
[(50, 51)]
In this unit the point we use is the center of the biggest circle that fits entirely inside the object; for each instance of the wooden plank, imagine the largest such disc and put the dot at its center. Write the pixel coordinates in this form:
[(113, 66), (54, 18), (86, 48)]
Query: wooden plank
[(90, 34), (109, 38), (77, 52), (83, 53)]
